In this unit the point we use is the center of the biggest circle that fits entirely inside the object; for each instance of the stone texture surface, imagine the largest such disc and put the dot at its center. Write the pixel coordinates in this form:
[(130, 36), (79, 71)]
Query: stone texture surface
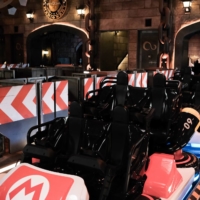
[(129, 15)]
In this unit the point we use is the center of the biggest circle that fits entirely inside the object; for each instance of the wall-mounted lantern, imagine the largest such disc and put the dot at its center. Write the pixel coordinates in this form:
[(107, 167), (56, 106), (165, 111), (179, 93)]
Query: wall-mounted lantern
[(45, 52), (81, 11), (30, 16), (187, 6)]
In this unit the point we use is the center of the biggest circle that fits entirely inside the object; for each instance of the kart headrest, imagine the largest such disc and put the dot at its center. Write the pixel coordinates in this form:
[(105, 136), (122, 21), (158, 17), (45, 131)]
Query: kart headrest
[(75, 110), (122, 78), (159, 80)]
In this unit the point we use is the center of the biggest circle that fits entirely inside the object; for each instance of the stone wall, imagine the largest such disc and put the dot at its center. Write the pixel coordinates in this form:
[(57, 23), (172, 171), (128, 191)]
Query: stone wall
[(126, 15), (129, 15), (23, 24)]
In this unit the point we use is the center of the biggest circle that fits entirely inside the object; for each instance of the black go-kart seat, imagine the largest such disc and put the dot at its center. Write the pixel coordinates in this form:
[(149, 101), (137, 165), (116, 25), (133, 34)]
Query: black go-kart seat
[(110, 176), (120, 89), (104, 99), (60, 137), (99, 105), (165, 108), (44, 145)]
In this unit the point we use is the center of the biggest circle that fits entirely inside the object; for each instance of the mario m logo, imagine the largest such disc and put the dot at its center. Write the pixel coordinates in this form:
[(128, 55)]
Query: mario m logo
[(33, 187)]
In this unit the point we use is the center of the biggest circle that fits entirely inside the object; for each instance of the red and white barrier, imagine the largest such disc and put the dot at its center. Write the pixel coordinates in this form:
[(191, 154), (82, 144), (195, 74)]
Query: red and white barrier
[(144, 79), (13, 65), (17, 103), (138, 80), (47, 98), (167, 73), (131, 79), (88, 86), (170, 73), (98, 81), (2, 66), (9, 66), (61, 95), (141, 79)]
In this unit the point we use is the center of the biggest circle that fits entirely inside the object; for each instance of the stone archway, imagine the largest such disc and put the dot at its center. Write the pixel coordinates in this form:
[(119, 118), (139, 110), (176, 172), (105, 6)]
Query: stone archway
[(35, 38), (181, 44)]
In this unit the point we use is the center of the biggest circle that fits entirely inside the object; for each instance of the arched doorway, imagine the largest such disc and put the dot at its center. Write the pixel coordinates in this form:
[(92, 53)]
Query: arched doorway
[(57, 43), (182, 42)]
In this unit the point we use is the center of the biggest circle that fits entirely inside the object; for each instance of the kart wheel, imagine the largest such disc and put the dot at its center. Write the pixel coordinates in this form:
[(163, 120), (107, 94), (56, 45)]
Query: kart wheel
[(188, 160)]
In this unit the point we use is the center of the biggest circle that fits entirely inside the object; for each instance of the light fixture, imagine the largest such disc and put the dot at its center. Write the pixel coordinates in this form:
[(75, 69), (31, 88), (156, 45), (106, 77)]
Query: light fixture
[(30, 16), (187, 6), (45, 52), (81, 11)]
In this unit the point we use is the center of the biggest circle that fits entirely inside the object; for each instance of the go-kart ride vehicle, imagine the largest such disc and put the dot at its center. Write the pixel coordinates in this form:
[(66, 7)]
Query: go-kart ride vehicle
[(190, 93), (115, 157), (28, 182), (156, 177)]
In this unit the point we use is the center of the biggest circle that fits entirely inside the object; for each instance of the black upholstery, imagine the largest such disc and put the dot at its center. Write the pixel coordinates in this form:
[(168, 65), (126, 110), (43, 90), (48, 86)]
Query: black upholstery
[(100, 104), (119, 136), (45, 144), (122, 78), (75, 128), (105, 98), (197, 95), (120, 89), (118, 154), (158, 95), (59, 138)]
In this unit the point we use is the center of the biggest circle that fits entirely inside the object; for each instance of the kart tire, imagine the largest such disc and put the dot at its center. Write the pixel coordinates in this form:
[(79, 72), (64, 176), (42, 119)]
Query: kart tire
[(188, 160)]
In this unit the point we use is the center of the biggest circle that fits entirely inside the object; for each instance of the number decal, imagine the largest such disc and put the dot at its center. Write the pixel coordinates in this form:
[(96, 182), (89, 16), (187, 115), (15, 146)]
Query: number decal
[(188, 123)]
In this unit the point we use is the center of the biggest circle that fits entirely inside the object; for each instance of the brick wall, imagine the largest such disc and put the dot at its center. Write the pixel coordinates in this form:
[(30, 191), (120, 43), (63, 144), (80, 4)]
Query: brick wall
[(129, 15)]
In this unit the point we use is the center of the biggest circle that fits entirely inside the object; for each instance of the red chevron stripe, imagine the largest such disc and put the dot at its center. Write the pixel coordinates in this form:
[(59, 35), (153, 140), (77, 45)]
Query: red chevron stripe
[(34, 100), (4, 118), (138, 77), (132, 83), (87, 85), (143, 77), (3, 92), (99, 81), (59, 101), (18, 102), (45, 107)]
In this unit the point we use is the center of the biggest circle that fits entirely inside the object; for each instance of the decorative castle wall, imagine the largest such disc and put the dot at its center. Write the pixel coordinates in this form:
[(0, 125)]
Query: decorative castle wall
[(126, 15)]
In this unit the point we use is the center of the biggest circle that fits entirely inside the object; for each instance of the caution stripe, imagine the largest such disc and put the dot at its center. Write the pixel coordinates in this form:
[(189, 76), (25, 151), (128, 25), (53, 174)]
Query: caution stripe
[(138, 80), (88, 86), (61, 95), (47, 98), (17, 103), (131, 79), (170, 73), (144, 79), (99, 79)]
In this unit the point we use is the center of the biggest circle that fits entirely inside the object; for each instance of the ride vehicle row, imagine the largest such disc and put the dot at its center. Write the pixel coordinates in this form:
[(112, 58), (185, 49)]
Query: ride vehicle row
[(122, 143)]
